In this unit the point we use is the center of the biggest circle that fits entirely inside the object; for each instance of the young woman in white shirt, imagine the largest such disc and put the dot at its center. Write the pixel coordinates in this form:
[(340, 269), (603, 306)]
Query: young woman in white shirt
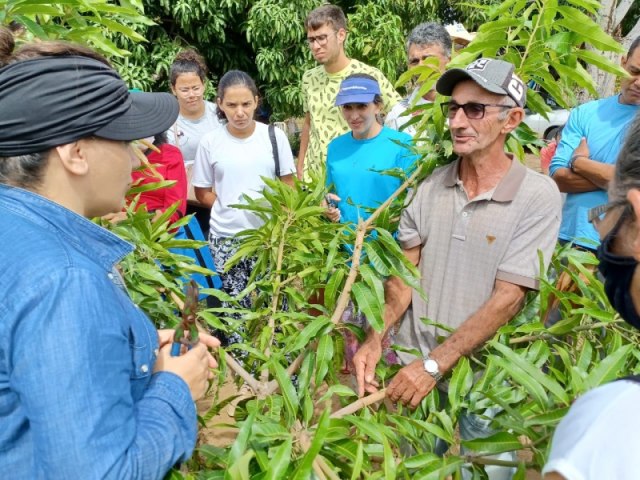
[(230, 162)]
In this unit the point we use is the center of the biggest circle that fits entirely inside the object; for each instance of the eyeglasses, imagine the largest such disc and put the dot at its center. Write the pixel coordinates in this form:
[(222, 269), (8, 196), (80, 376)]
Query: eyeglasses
[(321, 40), (472, 110), (596, 215)]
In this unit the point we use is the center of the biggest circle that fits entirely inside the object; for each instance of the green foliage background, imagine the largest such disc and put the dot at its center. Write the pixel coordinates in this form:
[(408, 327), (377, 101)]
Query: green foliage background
[(533, 372)]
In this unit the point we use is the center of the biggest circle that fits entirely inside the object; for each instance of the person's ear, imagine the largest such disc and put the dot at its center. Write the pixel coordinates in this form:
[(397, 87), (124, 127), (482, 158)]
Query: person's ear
[(514, 118), (633, 196), (342, 35), (73, 157), (623, 62)]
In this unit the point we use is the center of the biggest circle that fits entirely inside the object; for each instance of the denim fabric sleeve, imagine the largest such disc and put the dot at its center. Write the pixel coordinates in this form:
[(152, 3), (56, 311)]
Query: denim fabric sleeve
[(82, 366)]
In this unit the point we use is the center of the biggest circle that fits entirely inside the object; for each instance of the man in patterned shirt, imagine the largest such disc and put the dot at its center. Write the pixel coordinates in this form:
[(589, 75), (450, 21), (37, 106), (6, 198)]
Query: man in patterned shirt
[(326, 33)]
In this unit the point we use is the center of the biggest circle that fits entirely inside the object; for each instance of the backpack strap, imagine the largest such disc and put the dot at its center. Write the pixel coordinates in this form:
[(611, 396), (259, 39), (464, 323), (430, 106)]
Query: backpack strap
[(274, 148)]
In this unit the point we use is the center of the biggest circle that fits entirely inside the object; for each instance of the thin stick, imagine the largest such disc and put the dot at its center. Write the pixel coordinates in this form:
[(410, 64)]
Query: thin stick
[(360, 404), (149, 145), (264, 376), (362, 228), (242, 373)]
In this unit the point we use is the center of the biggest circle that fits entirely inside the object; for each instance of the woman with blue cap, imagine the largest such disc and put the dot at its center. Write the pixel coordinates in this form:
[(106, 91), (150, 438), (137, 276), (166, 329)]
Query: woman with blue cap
[(355, 162), (87, 386)]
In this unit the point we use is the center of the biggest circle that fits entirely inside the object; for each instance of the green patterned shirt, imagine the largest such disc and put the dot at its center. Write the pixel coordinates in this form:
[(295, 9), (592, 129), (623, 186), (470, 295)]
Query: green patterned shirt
[(319, 90)]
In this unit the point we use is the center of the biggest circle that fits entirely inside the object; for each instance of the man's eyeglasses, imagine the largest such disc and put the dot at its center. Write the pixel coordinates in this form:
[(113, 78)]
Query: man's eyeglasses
[(321, 40), (596, 215), (472, 110)]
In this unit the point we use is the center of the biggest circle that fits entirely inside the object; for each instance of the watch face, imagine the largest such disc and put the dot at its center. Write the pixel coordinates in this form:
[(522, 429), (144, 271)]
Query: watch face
[(431, 366)]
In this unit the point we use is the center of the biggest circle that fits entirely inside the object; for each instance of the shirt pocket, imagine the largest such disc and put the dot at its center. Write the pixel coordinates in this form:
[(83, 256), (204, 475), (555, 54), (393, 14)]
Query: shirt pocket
[(143, 340)]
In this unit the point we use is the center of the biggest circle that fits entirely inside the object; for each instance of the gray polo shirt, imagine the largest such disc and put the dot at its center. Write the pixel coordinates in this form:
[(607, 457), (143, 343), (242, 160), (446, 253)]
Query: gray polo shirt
[(468, 244)]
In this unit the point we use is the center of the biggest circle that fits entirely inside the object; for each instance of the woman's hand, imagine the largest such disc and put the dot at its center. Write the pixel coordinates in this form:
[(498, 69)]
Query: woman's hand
[(115, 217), (193, 366), (331, 212)]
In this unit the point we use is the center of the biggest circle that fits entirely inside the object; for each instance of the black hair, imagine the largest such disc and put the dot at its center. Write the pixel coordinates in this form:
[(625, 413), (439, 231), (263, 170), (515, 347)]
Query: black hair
[(187, 61), (234, 78)]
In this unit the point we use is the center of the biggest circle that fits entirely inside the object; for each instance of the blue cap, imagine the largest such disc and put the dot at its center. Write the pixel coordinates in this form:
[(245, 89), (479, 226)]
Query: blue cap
[(357, 90)]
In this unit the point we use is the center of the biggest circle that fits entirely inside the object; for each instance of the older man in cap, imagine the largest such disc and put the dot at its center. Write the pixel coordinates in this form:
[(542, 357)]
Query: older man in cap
[(474, 230)]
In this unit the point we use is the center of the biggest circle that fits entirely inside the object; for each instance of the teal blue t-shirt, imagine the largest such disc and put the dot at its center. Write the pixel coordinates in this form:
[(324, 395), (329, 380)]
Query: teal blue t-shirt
[(604, 123), (353, 168)]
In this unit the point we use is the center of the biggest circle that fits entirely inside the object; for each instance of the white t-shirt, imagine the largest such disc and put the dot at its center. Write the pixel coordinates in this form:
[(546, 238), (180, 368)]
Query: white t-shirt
[(189, 132), (600, 436), (233, 167)]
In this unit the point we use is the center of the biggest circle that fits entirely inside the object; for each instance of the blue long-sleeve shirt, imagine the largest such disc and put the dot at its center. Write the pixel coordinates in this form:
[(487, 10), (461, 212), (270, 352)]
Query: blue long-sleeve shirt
[(78, 396), (604, 123)]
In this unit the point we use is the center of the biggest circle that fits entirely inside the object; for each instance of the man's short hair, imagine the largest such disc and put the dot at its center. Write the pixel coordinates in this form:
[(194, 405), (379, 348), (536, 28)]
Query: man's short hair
[(326, 15), (635, 44), (430, 33)]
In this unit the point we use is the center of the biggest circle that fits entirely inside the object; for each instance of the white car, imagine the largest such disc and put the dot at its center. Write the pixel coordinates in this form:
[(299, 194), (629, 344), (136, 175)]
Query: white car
[(546, 128)]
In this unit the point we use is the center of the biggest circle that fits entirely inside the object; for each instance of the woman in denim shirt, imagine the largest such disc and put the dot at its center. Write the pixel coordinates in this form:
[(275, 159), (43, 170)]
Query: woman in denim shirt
[(87, 386)]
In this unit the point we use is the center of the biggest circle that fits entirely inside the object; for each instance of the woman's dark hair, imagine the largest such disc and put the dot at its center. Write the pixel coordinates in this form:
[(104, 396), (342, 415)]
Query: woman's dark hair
[(627, 172), (234, 78), (187, 61), (160, 139), (377, 100), (27, 171)]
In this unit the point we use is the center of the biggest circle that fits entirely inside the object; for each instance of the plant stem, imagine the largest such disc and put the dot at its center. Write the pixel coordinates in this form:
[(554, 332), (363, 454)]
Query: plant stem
[(360, 404), (264, 376), (242, 373), (362, 228)]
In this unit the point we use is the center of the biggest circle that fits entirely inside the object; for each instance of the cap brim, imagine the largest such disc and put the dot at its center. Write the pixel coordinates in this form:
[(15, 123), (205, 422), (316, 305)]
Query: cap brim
[(149, 115), (355, 98), (449, 79)]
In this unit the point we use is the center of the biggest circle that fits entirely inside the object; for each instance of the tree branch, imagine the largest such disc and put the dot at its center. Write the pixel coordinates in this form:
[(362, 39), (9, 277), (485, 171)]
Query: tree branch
[(242, 373), (621, 11), (360, 404), (362, 228)]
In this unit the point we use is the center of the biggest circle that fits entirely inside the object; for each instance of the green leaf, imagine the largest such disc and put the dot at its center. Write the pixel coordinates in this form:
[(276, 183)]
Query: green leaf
[(532, 372), (422, 460), (310, 332), (547, 418), (366, 301), (609, 368), (239, 469), (289, 394), (460, 383), (303, 471), (324, 357), (240, 445), (333, 287), (576, 21), (497, 443), (390, 466), (280, 462), (375, 256), (340, 390)]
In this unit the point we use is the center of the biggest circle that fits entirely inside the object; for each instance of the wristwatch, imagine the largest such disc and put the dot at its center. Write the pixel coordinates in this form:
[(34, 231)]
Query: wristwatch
[(572, 161), (432, 368)]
